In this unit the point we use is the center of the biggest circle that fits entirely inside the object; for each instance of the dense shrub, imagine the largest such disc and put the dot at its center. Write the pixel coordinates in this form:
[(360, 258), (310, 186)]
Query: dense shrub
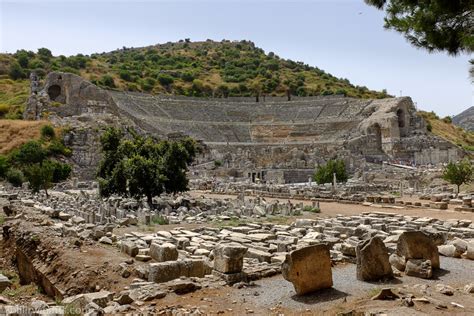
[(107, 81), (61, 171), (35, 162), (16, 72), (4, 166), (165, 79), (30, 153), (429, 127), (47, 132), (15, 177), (325, 173)]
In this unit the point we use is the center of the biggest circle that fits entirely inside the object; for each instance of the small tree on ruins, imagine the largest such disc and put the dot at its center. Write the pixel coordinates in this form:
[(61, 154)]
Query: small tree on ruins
[(143, 166), (325, 173), (458, 173)]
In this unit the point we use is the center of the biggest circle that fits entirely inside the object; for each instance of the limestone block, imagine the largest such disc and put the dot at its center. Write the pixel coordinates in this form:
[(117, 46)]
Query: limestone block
[(129, 247), (348, 249), (308, 268), (170, 270), (397, 261), (449, 251), (416, 245), (372, 260), (163, 252), (262, 256), (4, 283), (229, 258), (470, 251), (80, 301), (419, 268), (439, 205)]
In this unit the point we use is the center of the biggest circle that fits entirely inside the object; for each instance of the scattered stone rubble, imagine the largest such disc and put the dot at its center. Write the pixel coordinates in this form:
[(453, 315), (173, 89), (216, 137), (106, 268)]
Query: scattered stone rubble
[(180, 260)]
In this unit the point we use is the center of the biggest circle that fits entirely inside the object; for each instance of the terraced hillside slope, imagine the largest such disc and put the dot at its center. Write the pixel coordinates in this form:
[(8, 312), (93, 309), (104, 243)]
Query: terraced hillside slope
[(274, 138), (199, 69)]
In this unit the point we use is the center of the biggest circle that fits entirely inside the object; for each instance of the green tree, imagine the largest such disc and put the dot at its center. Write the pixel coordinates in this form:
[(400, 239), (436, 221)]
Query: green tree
[(108, 81), (165, 80), (61, 171), (143, 166), (30, 153), (458, 173), (4, 166), (435, 25), (15, 177), (23, 58), (145, 177), (16, 72), (325, 173), (444, 25), (45, 54), (40, 176)]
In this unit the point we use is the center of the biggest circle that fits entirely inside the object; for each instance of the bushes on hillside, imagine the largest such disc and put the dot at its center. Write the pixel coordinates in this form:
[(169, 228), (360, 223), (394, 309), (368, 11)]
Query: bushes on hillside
[(47, 132), (36, 162), (107, 81), (177, 65)]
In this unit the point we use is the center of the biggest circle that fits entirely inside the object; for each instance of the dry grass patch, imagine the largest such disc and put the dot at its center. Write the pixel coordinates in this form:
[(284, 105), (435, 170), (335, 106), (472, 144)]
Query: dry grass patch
[(449, 131), (14, 133)]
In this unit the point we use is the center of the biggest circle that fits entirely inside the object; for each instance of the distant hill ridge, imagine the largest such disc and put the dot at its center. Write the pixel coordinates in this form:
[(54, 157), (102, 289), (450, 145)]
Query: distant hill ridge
[(465, 119), (200, 69)]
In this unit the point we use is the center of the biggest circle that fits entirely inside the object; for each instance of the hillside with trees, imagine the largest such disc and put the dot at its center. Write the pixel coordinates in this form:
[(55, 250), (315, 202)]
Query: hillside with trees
[(200, 69)]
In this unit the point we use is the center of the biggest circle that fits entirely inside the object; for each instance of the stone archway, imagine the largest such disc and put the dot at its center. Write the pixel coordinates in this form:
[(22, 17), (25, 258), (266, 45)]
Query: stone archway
[(54, 91), (401, 118), (376, 131)]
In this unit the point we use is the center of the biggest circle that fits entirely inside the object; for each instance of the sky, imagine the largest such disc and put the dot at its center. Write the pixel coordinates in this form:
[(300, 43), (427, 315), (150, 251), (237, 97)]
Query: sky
[(343, 37)]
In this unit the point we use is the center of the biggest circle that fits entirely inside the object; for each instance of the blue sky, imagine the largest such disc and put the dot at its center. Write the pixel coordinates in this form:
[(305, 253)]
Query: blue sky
[(344, 37)]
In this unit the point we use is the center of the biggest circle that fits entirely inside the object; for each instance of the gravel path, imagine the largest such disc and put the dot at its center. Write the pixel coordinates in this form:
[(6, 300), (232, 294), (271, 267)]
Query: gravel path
[(277, 291)]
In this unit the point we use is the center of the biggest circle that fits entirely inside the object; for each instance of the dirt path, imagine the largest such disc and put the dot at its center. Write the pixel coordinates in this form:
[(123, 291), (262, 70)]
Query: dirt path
[(331, 209)]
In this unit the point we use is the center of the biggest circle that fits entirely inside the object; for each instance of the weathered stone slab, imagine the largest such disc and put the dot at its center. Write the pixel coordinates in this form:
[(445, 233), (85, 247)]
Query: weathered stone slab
[(372, 260), (129, 247), (163, 252), (308, 268), (229, 258), (417, 245), (419, 268), (170, 270)]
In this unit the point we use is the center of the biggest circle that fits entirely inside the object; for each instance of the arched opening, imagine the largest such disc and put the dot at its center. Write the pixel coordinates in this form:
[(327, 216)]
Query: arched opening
[(376, 131), (54, 91), (401, 118)]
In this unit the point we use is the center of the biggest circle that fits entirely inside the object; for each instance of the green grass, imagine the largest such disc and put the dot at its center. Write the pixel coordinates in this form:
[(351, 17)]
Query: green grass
[(20, 291), (373, 291), (309, 208), (159, 220), (2, 219), (13, 97)]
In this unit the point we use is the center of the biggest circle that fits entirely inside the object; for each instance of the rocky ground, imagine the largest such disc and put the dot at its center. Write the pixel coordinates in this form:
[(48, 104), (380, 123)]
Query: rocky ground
[(56, 261)]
